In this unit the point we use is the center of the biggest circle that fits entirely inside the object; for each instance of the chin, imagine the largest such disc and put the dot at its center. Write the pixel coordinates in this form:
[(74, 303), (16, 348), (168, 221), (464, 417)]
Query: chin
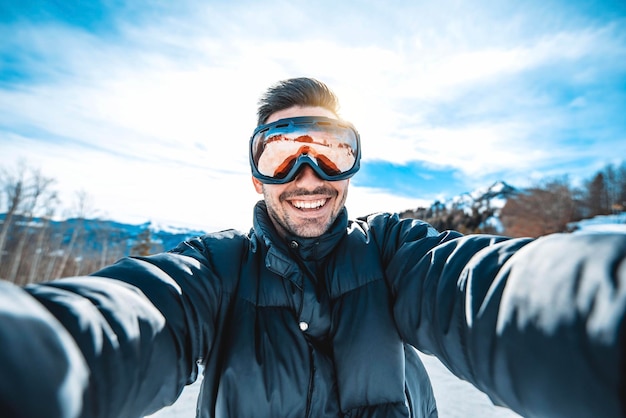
[(310, 231)]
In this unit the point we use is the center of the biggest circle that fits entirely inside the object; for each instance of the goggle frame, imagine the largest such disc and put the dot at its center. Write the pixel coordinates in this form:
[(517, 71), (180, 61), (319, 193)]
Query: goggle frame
[(304, 158)]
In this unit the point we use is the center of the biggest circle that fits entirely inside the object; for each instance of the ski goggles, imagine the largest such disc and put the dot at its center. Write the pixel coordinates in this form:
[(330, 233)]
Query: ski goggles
[(278, 150)]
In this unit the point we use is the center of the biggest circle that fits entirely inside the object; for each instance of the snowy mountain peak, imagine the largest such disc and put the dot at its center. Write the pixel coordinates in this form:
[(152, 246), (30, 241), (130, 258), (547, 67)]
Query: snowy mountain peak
[(492, 197), (476, 211)]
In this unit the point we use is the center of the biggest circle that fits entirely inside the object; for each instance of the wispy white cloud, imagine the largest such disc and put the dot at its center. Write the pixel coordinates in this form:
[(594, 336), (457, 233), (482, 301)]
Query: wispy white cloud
[(498, 118)]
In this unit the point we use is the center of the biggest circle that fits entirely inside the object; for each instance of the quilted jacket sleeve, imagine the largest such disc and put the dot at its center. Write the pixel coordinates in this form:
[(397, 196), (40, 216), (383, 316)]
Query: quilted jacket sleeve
[(538, 325), (122, 343)]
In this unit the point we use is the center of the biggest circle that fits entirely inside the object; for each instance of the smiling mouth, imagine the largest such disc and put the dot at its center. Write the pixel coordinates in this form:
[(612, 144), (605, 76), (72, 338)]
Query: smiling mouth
[(309, 204)]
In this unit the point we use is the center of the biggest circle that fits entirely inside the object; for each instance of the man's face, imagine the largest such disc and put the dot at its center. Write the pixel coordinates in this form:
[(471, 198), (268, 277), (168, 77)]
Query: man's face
[(307, 206)]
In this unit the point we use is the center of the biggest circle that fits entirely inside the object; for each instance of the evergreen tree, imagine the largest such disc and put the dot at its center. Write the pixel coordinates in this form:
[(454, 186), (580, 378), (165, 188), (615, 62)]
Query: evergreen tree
[(143, 245)]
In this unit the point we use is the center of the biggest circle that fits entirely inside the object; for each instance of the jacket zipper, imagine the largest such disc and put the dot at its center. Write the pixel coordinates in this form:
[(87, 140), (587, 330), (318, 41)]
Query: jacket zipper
[(309, 397)]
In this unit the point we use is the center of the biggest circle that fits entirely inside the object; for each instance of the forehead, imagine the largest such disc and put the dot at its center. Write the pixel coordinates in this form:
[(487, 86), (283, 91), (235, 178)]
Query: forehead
[(296, 111)]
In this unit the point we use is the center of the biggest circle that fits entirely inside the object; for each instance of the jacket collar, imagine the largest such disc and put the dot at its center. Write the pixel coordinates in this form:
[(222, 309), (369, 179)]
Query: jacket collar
[(308, 249)]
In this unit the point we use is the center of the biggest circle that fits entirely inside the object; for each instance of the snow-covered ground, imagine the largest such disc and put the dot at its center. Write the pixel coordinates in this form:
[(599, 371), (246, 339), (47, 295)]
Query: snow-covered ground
[(604, 223), (459, 399), (455, 398)]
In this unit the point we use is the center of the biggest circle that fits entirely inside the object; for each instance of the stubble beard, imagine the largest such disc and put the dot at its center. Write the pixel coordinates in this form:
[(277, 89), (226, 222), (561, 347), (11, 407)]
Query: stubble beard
[(303, 228)]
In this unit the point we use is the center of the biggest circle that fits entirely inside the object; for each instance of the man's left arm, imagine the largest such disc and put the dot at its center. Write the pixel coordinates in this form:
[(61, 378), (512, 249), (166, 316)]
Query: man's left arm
[(538, 325)]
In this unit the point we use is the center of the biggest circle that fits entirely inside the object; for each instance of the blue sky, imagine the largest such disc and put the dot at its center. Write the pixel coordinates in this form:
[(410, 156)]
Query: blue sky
[(148, 106)]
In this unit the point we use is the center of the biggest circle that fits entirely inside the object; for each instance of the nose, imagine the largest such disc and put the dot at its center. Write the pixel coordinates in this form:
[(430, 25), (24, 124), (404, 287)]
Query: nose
[(306, 178)]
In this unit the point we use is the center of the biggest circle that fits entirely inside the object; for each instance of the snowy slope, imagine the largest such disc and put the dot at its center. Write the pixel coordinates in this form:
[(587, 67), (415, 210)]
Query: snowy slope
[(616, 223)]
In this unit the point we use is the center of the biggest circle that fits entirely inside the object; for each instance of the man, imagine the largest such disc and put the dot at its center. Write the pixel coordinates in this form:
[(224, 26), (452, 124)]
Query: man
[(311, 314)]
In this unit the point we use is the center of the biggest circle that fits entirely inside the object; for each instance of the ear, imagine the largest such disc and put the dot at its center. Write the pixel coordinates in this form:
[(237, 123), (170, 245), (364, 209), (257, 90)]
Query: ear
[(258, 186)]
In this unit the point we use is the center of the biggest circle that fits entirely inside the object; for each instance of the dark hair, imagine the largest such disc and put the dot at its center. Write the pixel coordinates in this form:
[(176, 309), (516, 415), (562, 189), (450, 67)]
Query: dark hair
[(296, 92)]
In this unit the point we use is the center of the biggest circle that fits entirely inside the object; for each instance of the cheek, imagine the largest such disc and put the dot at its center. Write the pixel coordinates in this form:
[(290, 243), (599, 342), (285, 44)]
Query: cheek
[(343, 189), (271, 192)]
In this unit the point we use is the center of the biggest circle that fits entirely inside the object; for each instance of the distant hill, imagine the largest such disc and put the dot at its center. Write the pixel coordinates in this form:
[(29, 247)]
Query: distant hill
[(95, 233), (472, 212)]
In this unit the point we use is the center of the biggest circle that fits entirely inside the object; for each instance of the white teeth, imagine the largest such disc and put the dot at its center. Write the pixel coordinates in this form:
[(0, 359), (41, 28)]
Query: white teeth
[(306, 204)]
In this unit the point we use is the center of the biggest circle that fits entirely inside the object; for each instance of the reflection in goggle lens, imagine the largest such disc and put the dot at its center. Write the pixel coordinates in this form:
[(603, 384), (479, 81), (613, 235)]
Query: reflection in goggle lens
[(329, 146)]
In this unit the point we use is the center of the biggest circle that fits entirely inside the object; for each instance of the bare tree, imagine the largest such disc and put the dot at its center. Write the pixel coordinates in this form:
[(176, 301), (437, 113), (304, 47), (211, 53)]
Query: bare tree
[(41, 247), (53, 252), (615, 179), (597, 197), (541, 210), (605, 192), (40, 196), (620, 203), (28, 193), (82, 208), (13, 190)]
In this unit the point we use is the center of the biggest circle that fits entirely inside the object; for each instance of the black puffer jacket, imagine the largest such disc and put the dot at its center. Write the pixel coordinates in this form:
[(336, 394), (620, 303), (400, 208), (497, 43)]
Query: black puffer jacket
[(325, 327)]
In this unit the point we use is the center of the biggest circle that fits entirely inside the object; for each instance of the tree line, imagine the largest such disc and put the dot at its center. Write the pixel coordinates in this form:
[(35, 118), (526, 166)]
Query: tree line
[(549, 206), (35, 248), (553, 205)]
